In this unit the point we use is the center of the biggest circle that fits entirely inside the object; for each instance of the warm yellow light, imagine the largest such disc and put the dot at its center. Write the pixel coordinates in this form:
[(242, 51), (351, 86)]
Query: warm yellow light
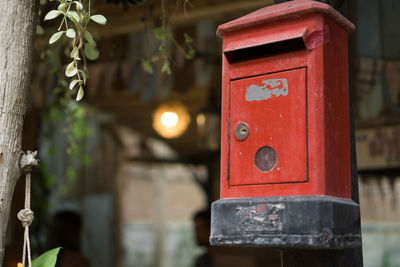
[(169, 119), (19, 264), (201, 120)]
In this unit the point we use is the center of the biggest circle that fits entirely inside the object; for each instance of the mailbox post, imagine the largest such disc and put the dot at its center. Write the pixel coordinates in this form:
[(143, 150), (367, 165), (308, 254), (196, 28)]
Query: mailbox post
[(285, 151)]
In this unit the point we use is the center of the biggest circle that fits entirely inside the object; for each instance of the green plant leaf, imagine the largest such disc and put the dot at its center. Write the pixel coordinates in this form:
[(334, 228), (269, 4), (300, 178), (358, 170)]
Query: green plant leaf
[(89, 37), (54, 38), (73, 15), (73, 83), (71, 70), (163, 51), (79, 96), (147, 66), (188, 38), (71, 33), (166, 67), (79, 6), (52, 14), (100, 19), (86, 160), (190, 54), (159, 33), (74, 52), (47, 259), (62, 6), (154, 58), (91, 51)]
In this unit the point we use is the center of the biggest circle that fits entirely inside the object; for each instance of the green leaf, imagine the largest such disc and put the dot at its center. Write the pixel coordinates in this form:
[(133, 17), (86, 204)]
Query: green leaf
[(73, 15), (163, 51), (89, 37), (159, 33), (154, 59), (71, 172), (74, 52), (86, 160), (188, 38), (166, 67), (79, 6), (54, 38), (62, 6), (52, 14), (91, 51), (71, 69), (79, 96), (47, 259), (71, 33), (190, 54), (147, 66), (73, 83), (100, 19)]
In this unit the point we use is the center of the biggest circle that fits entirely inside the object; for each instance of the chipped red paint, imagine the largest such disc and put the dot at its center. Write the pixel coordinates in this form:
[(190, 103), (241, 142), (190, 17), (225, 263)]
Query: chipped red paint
[(307, 125)]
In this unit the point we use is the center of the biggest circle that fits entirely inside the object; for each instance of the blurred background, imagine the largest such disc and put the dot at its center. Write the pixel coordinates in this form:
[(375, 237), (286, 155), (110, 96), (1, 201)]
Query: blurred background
[(124, 172)]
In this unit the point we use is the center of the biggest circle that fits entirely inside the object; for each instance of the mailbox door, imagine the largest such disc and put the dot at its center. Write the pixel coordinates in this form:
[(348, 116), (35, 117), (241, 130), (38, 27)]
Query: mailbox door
[(268, 129)]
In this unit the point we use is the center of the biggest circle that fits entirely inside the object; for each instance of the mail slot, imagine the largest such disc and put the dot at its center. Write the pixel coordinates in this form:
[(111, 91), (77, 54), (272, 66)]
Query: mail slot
[(285, 129)]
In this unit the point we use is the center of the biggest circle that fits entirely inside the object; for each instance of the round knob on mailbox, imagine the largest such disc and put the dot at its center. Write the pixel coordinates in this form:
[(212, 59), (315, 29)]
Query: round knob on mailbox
[(265, 158), (241, 131)]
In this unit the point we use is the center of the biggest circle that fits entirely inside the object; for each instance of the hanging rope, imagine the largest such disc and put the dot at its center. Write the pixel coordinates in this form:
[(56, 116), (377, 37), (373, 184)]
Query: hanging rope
[(26, 218), (27, 161)]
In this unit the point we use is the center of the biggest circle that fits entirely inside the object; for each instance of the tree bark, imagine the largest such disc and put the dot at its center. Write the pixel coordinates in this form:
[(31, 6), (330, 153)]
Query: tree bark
[(17, 27)]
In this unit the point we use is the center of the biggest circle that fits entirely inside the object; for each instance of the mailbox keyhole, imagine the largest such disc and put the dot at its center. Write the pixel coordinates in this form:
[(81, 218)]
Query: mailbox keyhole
[(241, 131), (265, 159)]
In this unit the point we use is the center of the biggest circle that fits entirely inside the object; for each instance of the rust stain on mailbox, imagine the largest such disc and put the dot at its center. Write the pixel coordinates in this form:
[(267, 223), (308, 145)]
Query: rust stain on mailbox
[(260, 218)]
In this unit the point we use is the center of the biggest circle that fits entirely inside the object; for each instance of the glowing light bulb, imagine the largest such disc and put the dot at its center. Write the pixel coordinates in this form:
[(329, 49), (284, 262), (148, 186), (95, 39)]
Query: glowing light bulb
[(169, 119)]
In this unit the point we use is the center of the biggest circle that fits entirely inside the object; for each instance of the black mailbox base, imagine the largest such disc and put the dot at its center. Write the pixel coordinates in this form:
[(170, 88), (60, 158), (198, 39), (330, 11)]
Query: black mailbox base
[(314, 222)]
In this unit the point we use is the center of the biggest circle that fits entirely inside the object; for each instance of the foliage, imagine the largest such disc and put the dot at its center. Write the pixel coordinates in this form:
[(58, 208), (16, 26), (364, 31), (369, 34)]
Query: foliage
[(75, 18), (165, 36), (47, 259), (75, 128), (73, 40)]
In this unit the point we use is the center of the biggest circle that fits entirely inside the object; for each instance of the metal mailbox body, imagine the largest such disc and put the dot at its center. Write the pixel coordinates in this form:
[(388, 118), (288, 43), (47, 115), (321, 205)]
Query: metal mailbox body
[(285, 151), (299, 47)]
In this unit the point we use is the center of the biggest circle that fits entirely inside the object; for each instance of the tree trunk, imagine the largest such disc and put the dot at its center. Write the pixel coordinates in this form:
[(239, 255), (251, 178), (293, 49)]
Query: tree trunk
[(17, 27)]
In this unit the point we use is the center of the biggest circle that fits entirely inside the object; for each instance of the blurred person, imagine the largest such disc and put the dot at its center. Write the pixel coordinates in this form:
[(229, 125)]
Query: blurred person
[(66, 233), (202, 221)]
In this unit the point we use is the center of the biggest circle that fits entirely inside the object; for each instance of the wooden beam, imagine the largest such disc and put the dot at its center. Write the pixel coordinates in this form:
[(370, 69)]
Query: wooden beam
[(124, 22)]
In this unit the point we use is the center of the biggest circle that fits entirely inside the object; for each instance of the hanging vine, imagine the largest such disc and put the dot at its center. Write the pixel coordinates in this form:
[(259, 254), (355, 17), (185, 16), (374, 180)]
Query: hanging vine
[(165, 37), (75, 19)]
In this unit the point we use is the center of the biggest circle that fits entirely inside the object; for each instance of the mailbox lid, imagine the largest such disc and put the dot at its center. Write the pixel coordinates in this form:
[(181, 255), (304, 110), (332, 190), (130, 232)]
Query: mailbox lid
[(286, 10), (273, 107)]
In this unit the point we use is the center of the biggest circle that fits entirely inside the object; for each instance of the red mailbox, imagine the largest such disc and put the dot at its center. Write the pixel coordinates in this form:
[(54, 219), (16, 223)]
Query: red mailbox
[(285, 123)]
